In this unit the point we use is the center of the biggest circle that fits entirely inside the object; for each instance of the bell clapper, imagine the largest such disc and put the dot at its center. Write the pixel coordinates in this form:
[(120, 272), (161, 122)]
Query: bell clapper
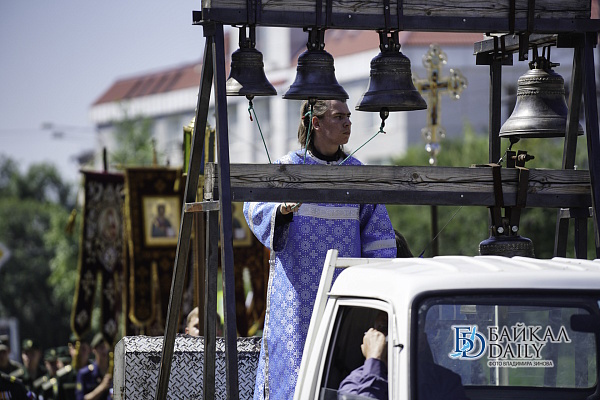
[(383, 114), (250, 105)]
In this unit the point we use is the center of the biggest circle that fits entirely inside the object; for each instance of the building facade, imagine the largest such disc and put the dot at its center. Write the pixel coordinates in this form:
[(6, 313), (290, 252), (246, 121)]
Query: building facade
[(169, 97)]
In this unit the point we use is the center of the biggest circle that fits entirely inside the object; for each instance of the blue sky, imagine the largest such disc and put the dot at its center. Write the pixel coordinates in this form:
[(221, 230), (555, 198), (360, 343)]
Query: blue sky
[(58, 56)]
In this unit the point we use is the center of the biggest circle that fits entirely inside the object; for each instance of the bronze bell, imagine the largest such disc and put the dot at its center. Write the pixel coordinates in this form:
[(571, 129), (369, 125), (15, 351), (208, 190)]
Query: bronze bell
[(315, 78), (508, 246), (315, 74), (390, 80), (541, 109), (247, 76)]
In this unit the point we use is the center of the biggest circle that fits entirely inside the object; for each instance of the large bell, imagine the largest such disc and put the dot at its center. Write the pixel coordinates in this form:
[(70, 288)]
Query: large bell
[(508, 246), (247, 76), (315, 78), (390, 81), (541, 109)]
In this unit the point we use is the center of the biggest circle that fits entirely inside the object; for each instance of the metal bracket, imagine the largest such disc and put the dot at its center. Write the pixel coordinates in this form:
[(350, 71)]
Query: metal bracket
[(499, 52), (196, 17), (524, 37), (517, 159), (251, 12), (201, 206), (328, 12), (567, 213), (496, 210), (510, 221), (512, 11), (386, 14), (515, 212), (319, 12), (247, 39), (210, 190), (389, 41), (316, 38), (400, 14)]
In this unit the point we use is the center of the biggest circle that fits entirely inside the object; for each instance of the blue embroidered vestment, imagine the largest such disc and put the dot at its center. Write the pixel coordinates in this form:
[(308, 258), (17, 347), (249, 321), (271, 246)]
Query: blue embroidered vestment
[(298, 252)]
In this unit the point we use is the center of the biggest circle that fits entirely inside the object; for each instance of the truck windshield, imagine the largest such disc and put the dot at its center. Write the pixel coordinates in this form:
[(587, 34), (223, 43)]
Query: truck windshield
[(506, 340)]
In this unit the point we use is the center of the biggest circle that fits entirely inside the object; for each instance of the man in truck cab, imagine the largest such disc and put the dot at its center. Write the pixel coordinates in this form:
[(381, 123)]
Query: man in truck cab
[(370, 379)]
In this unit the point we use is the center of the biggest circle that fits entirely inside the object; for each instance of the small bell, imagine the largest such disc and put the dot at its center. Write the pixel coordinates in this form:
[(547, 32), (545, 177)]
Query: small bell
[(315, 73), (541, 109), (508, 246), (247, 76), (390, 81)]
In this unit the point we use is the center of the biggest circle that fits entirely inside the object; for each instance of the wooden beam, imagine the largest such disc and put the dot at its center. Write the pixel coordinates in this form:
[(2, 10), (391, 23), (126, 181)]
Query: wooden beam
[(444, 186), (430, 15), (510, 43)]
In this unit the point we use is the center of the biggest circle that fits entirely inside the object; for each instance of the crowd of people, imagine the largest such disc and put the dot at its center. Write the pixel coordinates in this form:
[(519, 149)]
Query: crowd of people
[(80, 370)]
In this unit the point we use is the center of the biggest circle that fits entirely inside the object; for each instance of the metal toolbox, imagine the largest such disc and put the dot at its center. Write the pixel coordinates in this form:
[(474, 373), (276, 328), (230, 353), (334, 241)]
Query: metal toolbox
[(137, 364)]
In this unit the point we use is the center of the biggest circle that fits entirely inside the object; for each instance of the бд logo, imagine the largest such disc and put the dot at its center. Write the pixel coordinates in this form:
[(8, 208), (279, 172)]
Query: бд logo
[(518, 345), (468, 343)]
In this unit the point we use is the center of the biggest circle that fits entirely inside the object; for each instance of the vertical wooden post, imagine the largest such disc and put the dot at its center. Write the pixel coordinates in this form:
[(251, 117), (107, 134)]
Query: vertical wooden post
[(495, 113), (570, 147), (591, 122), (226, 218), (210, 301)]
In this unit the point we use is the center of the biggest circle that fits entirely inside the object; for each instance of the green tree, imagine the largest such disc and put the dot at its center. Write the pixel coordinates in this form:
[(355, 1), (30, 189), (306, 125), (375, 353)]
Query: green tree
[(134, 143), (461, 229), (36, 280)]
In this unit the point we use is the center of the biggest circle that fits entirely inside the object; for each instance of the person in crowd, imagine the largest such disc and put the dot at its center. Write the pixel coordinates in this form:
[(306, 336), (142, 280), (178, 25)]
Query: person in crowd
[(63, 356), (42, 386), (94, 381), (299, 237), (13, 389), (192, 326), (31, 354), (66, 378), (8, 366)]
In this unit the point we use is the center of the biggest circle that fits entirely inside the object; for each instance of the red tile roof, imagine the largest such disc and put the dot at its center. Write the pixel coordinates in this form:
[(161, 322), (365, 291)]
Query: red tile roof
[(182, 77), (168, 80)]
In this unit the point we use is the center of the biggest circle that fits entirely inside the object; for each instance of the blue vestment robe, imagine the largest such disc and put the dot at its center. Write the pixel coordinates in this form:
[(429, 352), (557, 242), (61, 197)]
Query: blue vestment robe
[(298, 252)]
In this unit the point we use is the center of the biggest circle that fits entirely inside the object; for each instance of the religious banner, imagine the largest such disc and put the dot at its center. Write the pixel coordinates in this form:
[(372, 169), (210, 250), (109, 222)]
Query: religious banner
[(101, 253), (153, 201)]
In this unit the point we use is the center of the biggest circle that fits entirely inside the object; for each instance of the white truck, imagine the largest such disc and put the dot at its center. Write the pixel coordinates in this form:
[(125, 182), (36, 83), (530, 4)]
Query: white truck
[(511, 328)]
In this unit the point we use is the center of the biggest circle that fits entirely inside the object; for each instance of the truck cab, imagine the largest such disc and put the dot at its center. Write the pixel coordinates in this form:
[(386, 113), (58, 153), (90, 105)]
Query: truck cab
[(458, 327)]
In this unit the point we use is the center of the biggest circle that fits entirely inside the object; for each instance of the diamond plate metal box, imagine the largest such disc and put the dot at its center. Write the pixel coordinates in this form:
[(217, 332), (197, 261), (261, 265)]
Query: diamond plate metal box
[(137, 364)]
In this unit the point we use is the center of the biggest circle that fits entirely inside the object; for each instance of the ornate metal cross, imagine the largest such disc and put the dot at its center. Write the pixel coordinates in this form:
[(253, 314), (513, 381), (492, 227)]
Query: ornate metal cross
[(434, 86)]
